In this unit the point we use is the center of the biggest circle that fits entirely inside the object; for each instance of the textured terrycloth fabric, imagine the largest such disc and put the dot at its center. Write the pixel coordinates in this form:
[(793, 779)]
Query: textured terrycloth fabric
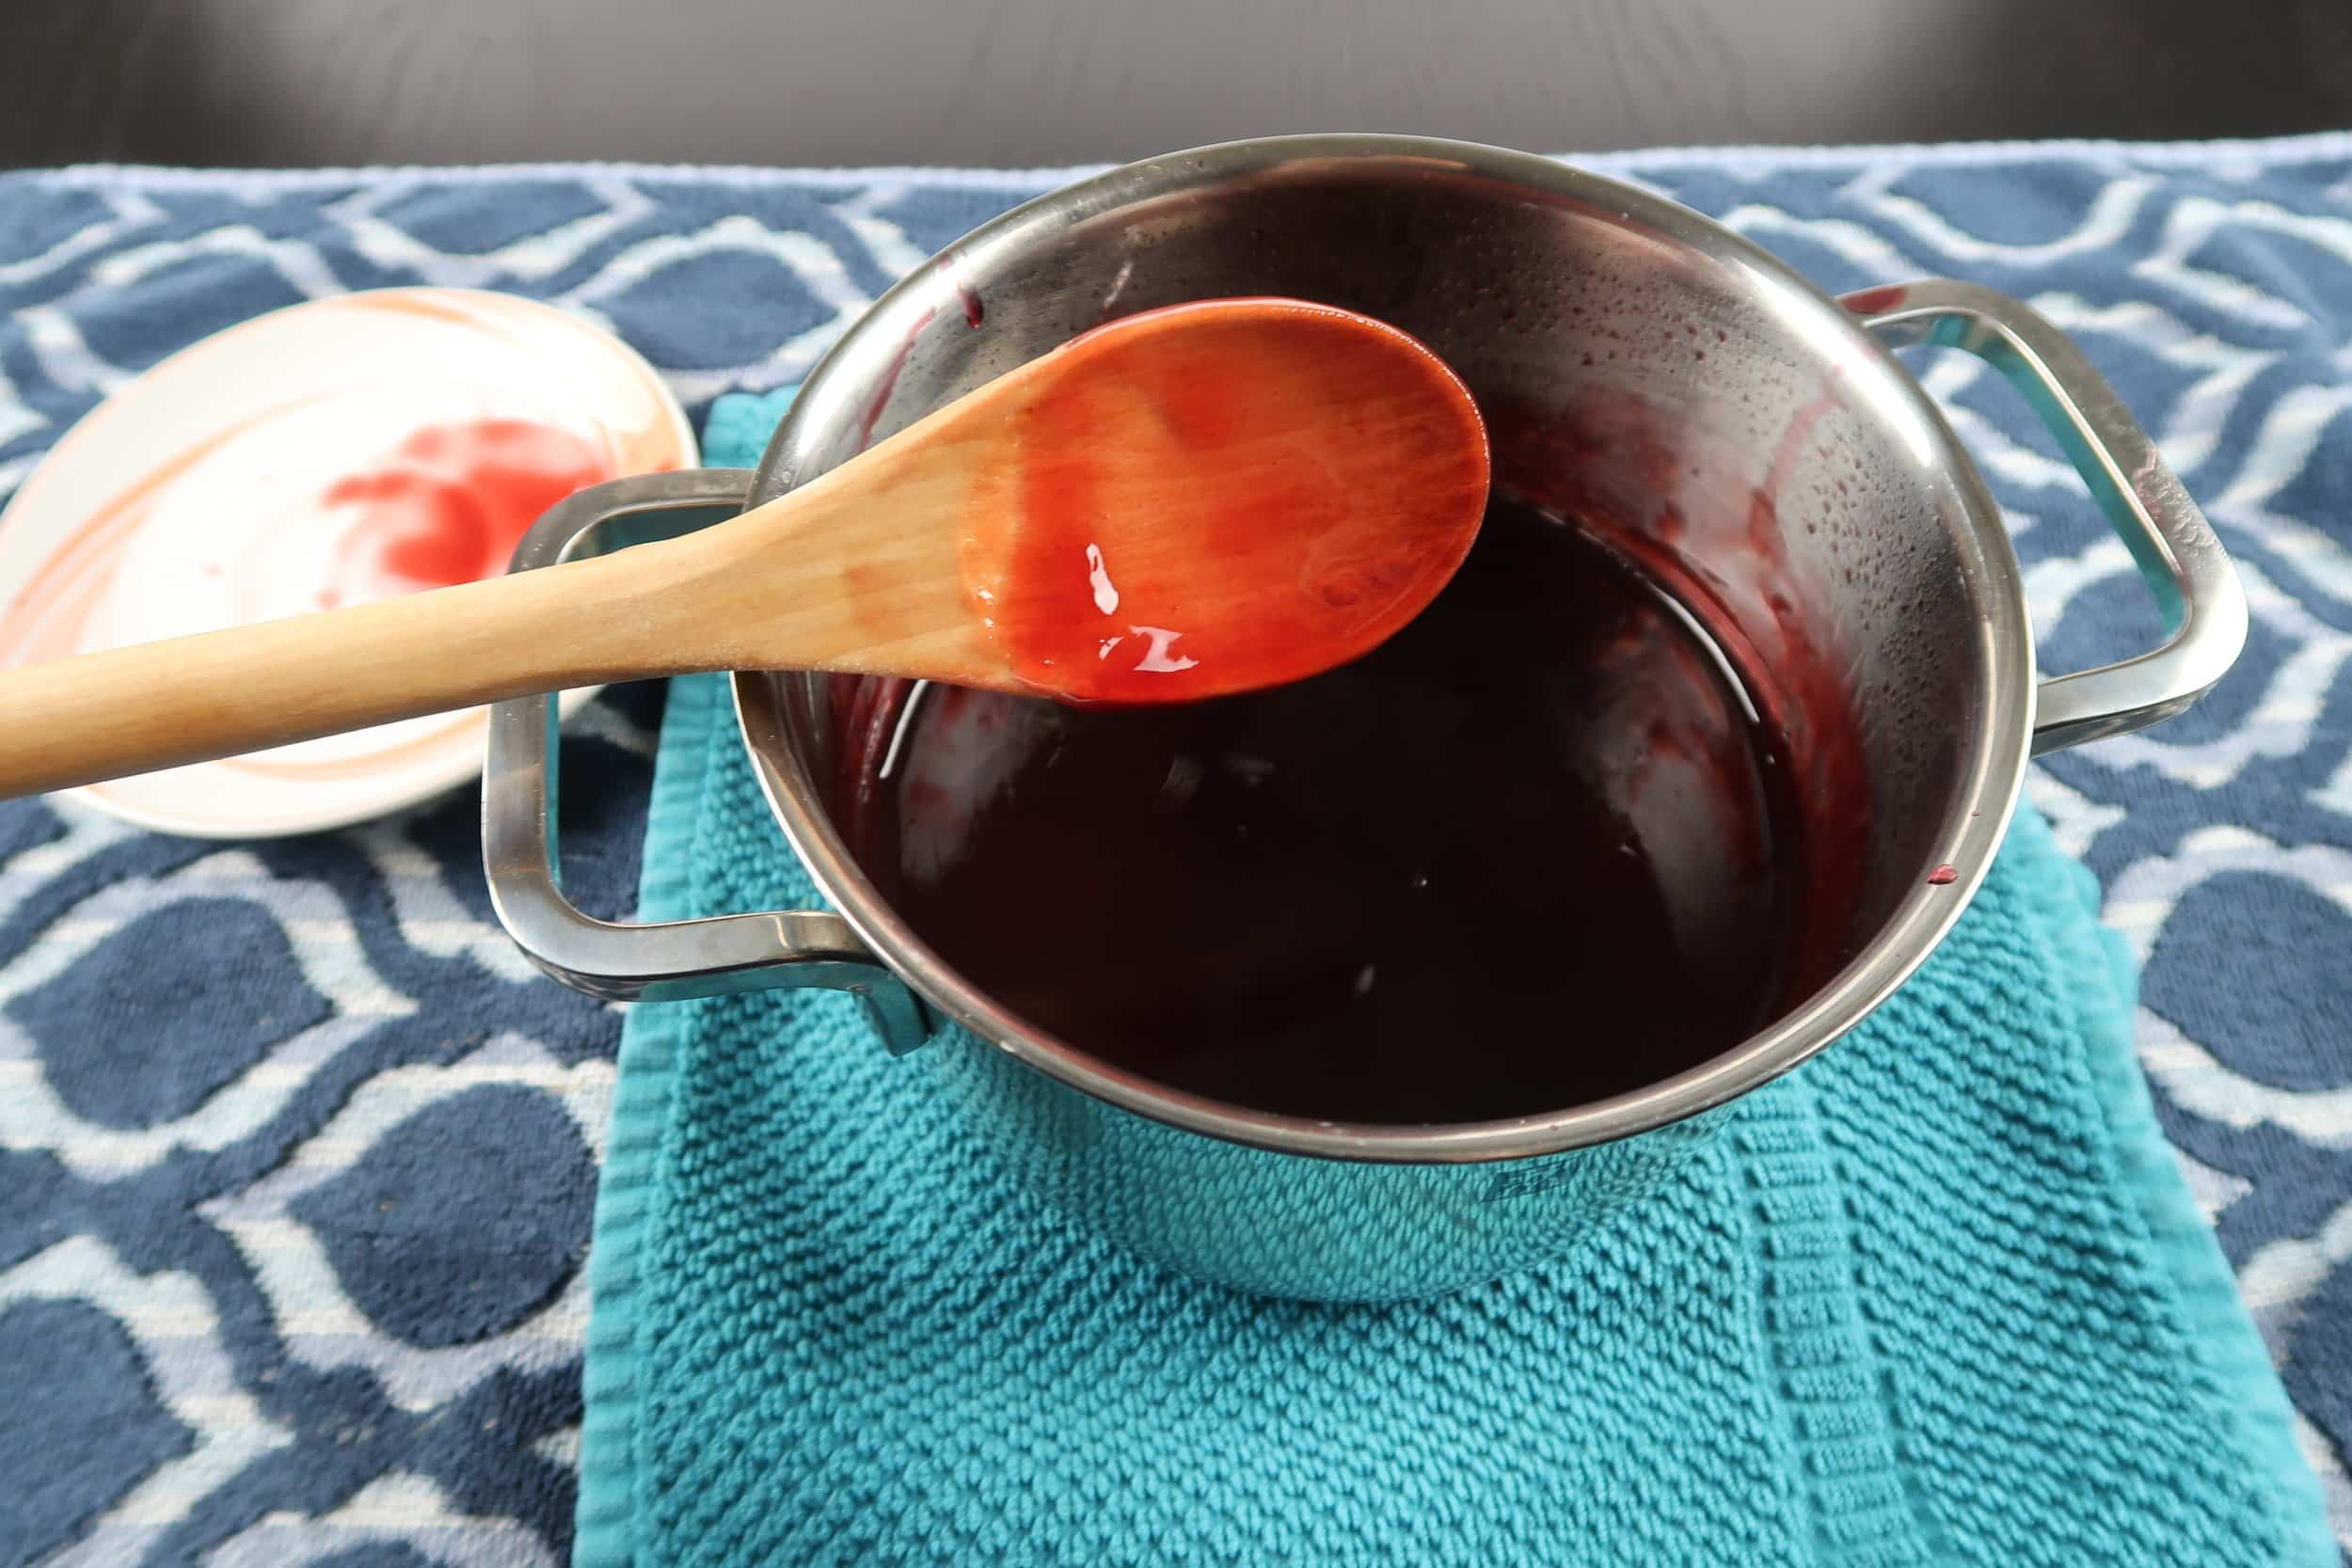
[(1940, 1296)]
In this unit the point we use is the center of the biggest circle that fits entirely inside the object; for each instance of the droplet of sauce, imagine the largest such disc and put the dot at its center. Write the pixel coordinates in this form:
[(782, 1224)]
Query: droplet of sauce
[(449, 505), (1944, 876), (1220, 497), (1873, 301)]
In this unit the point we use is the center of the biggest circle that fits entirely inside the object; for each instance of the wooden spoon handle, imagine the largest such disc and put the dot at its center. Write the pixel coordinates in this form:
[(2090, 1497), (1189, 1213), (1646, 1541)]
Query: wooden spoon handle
[(854, 571), (191, 699)]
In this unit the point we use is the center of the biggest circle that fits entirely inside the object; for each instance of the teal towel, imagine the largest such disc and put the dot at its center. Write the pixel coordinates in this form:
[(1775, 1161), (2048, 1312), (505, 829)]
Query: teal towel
[(1940, 1296)]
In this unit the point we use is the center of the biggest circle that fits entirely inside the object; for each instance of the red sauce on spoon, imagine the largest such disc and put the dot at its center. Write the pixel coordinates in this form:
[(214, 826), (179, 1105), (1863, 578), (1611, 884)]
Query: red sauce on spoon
[(1336, 470)]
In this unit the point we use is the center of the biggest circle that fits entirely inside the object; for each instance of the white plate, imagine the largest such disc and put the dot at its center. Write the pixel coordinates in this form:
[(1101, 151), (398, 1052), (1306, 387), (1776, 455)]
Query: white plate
[(204, 494)]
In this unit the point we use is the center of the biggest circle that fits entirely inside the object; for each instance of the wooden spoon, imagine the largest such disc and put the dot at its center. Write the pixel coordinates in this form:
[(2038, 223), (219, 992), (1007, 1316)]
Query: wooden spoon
[(1203, 500)]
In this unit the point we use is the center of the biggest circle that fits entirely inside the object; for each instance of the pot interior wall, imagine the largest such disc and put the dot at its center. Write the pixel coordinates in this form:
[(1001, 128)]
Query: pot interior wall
[(1710, 419)]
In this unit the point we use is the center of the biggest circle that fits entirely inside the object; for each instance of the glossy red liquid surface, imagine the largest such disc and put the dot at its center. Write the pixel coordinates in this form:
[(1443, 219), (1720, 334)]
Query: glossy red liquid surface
[(1534, 851), (450, 505), (1220, 497)]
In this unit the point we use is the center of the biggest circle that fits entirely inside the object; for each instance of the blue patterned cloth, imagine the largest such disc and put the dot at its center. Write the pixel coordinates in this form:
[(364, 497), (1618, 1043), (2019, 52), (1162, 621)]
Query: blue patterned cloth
[(291, 1271)]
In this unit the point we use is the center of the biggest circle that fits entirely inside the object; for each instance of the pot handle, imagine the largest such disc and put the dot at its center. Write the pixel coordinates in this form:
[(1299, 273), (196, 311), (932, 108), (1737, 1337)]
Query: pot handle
[(672, 959), (2196, 587)]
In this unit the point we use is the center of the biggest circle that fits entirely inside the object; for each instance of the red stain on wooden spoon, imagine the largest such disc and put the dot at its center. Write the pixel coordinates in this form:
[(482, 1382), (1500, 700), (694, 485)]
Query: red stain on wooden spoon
[(1332, 473)]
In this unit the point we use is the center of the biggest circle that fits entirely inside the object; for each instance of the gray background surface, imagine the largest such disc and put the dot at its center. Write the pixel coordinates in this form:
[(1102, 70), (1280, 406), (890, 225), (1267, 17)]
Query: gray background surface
[(1027, 82)]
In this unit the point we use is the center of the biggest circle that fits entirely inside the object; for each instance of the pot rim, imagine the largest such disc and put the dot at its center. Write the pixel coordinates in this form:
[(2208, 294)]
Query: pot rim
[(1968, 836)]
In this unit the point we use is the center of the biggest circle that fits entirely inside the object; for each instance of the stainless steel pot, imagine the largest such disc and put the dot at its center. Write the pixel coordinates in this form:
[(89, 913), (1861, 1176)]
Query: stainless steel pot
[(1570, 304)]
